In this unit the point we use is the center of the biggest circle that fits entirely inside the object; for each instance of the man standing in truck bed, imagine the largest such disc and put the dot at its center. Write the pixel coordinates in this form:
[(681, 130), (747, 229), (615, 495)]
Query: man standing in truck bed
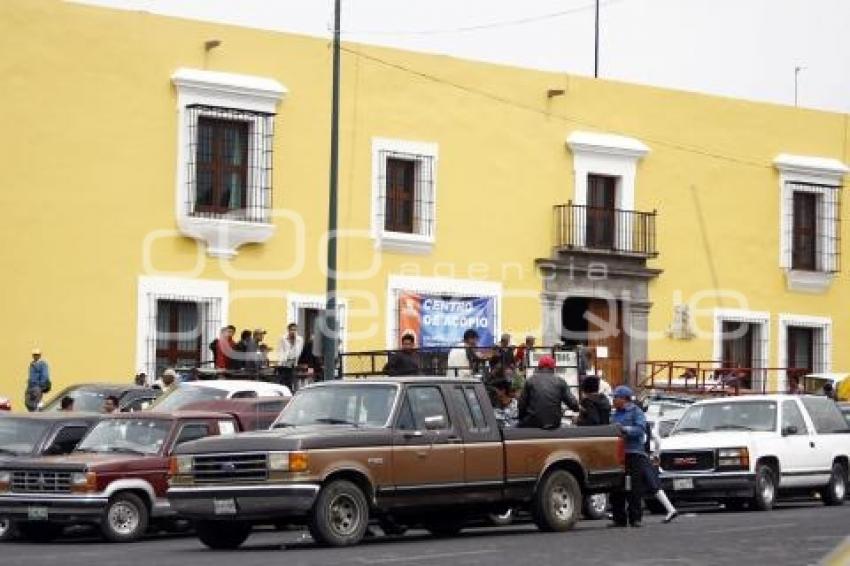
[(540, 405)]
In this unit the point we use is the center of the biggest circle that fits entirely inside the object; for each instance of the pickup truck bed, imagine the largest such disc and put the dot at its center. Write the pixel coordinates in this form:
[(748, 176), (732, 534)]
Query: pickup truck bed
[(411, 451)]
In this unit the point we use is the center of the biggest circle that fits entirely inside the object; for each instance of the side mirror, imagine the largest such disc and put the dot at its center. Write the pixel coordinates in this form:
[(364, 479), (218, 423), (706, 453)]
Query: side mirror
[(789, 430), (435, 422)]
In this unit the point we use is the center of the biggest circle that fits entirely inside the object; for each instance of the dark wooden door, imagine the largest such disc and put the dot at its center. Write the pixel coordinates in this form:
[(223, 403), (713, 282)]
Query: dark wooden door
[(804, 246), (601, 211), (738, 341), (401, 190), (801, 348), (605, 330)]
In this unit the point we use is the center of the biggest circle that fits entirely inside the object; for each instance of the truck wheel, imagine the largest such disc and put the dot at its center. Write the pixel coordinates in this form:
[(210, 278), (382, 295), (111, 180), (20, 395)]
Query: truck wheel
[(836, 489), (7, 529), (39, 532), (340, 515), (223, 535), (595, 506), (765, 495), (125, 518), (557, 502)]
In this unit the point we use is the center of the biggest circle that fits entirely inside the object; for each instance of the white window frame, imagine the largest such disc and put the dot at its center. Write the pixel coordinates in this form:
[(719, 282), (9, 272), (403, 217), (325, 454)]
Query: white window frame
[(793, 170), (762, 318), (297, 301), (821, 323), (437, 286), (226, 90), (417, 243), (151, 289), (612, 156)]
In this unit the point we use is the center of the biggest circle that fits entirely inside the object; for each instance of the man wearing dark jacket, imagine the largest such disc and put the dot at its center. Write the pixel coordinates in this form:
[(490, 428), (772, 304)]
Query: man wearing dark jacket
[(540, 405), (404, 362), (595, 408)]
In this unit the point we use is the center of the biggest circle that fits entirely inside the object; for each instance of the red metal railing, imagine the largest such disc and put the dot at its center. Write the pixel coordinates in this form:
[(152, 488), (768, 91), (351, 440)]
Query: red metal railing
[(711, 377)]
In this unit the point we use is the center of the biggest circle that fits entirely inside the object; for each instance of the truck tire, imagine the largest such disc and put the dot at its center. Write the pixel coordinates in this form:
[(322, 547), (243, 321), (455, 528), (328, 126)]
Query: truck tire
[(223, 535), (765, 495), (125, 518), (340, 516), (7, 529), (557, 502), (39, 532), (595, 506), (836, 490)]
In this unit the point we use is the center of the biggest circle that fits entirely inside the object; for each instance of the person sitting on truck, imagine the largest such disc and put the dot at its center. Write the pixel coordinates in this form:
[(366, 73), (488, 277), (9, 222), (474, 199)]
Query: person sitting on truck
[(504, 403), (628, 505), (542, 398), (594, 407), (405, 361)]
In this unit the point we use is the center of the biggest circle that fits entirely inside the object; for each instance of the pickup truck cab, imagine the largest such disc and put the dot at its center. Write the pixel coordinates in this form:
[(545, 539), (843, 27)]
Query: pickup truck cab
[(116, 478), (406, 452), (38, 434), (746, 451)]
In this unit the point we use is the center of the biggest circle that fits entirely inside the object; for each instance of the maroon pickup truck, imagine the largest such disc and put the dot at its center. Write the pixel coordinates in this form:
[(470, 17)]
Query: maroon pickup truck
[(116, 478), (404, 452)]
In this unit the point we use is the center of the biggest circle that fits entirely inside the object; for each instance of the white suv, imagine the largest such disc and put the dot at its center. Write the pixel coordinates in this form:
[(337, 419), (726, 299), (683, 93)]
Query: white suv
[(744, 451)]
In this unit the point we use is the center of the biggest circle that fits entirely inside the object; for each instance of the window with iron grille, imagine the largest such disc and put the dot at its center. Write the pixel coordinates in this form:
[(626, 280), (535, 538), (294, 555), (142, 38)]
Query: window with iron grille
[(810, 227), (404, 211), (230, 167)]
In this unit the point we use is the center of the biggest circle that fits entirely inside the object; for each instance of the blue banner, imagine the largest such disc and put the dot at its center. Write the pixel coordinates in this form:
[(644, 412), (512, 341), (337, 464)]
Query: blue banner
[(444, 319)]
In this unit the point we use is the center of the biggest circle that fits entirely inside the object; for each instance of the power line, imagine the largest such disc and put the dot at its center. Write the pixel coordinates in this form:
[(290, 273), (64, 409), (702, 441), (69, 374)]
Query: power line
[(486, 26), (564, 117)]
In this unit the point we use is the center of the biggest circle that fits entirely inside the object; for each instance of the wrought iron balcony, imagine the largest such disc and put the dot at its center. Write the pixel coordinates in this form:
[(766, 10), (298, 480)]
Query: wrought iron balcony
[(605, 230)]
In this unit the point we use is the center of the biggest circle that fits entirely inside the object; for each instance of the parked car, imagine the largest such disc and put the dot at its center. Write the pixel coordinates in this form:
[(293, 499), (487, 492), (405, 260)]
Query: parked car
[(37, 434), (254, 414), (187, 393), (89, 397), (116, 478), (746, 451), (409, 451), (845, 410), (5, 404)]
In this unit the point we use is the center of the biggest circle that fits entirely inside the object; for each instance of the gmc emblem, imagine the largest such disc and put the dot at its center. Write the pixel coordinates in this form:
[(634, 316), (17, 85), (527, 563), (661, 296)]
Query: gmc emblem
[(685, 461)]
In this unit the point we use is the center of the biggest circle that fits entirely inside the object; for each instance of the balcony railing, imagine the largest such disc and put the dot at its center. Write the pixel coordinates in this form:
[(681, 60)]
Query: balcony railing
[(606, 230)]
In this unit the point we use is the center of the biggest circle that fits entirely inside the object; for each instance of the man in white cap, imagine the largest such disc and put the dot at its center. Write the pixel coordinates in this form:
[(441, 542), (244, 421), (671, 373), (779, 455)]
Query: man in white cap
[(38, 382)]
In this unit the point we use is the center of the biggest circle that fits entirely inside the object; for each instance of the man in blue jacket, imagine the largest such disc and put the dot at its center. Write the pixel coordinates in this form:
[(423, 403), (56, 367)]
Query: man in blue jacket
[(38, 381), (628, 504)]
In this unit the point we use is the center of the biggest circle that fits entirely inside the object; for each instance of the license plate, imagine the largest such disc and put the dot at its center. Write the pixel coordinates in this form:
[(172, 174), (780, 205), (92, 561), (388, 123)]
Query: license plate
[(37, 513), (680, 484), (225, 506)]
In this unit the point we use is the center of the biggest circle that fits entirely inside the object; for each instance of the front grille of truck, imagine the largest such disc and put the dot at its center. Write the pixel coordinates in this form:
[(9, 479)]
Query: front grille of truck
[(221, 468), (34, 481), (688, 461)]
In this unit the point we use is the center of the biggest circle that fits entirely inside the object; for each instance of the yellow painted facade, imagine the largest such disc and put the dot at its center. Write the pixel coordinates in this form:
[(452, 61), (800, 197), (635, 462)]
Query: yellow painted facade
[(89, 160)]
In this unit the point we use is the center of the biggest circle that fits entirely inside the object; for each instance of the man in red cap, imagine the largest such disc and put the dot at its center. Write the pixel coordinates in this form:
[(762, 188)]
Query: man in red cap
[(543, 397)]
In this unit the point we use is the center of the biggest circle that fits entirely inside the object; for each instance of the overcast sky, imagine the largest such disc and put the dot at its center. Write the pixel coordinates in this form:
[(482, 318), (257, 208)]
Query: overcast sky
[(741, 48)]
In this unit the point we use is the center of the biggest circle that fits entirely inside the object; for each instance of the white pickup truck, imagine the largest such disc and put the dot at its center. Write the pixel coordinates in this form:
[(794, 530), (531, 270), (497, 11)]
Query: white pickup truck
[(745, 451)]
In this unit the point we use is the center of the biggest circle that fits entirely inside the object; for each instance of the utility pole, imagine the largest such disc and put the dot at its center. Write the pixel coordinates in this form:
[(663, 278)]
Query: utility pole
[(596, 44), (797, 70), (329, 330)]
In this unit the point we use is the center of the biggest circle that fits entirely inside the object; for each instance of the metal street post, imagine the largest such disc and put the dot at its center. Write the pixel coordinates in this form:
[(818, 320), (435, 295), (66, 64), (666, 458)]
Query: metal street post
[(596, 44), (329, 330)]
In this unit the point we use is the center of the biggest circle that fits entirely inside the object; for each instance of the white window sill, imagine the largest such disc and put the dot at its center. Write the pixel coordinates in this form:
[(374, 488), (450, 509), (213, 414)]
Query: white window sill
[(223, 236), (808, 281), (404, 243)]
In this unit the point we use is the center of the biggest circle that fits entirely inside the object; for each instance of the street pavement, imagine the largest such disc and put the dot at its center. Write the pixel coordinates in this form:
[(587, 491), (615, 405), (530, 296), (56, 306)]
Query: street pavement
[(792, 534)]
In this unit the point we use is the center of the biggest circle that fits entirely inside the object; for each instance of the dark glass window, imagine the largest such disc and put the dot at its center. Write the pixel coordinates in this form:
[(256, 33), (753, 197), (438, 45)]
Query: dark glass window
[(221, 159)]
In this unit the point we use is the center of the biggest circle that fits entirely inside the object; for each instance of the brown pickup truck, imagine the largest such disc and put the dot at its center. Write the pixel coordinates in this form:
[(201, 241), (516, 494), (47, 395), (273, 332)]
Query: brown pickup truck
[(403, 452)]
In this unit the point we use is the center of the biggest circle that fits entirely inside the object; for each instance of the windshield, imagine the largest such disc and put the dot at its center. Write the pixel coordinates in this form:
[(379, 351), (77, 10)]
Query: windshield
[(134, 436), (19, 436), (85, 400), (183, 395), (361, 405), (748, 415)]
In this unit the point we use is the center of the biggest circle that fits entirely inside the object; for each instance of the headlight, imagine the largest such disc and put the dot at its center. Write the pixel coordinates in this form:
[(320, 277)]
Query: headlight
[(736, 458), (5, 480), (288, 462), (83, 482), (181, 465)]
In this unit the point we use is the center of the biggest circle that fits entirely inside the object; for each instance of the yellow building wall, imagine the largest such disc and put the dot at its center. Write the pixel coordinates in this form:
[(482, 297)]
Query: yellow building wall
[(89, 146)]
